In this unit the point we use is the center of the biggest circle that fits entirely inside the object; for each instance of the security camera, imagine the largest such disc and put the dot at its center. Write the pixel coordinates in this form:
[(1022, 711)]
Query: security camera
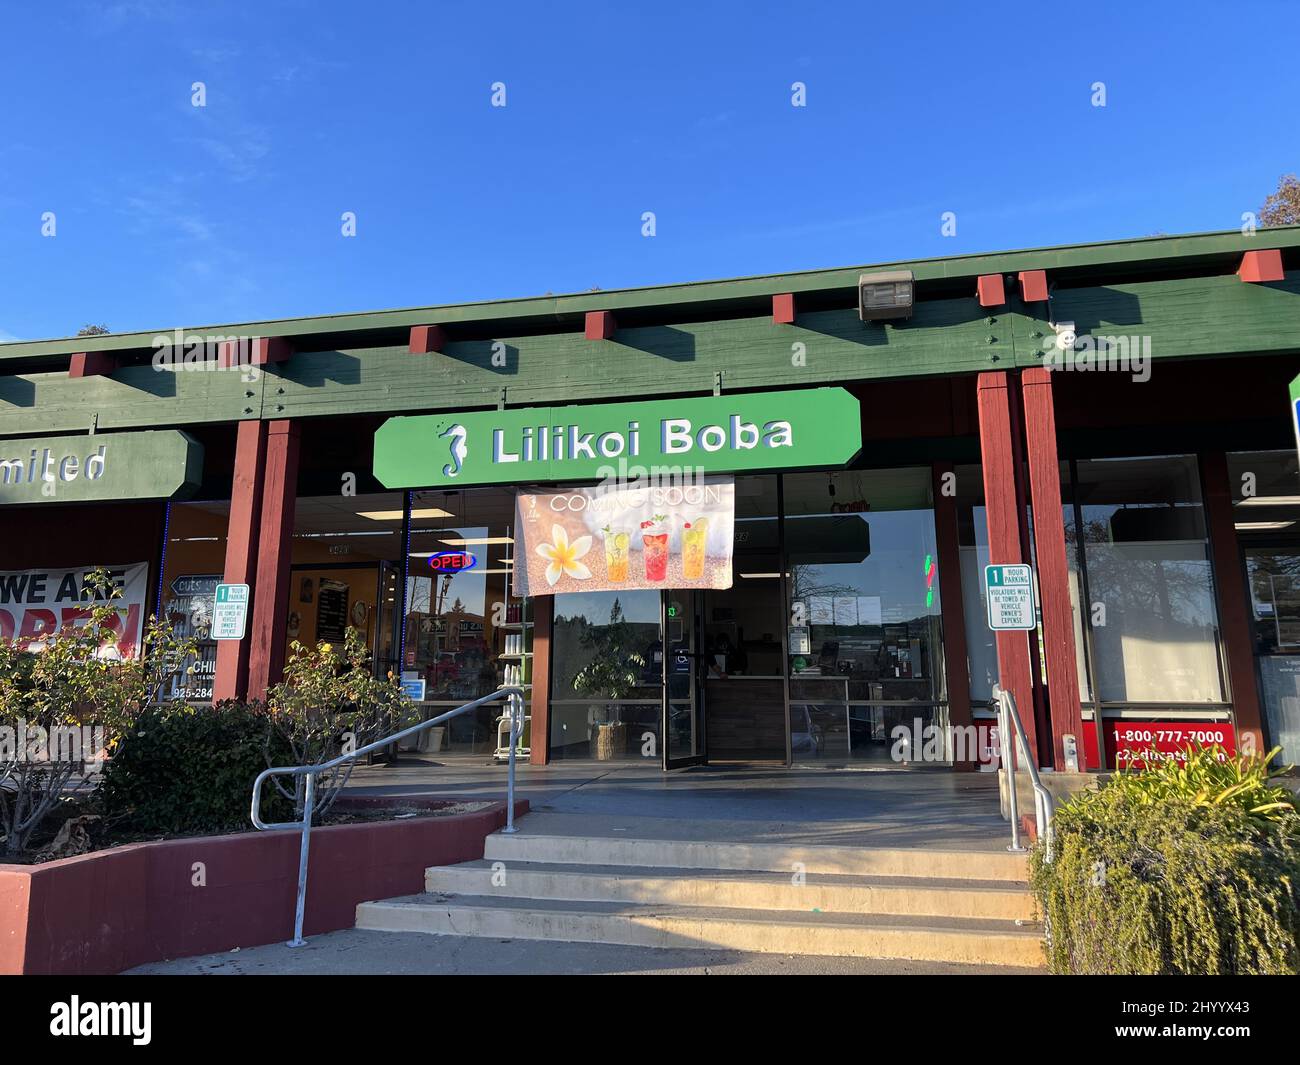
[(1065, 335)]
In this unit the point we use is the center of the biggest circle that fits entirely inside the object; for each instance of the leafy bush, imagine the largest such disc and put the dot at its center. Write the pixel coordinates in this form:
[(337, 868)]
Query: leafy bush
[(73, 681), (329, 703), (1208, 777), (191, 769), (1175, 869)]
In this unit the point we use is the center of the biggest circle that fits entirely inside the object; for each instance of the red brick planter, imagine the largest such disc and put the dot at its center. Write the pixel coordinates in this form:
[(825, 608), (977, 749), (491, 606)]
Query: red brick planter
[(118, 908)]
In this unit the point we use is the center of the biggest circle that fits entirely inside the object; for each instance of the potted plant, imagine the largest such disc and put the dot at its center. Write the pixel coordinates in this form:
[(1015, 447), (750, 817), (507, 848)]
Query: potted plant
[(612, 672)]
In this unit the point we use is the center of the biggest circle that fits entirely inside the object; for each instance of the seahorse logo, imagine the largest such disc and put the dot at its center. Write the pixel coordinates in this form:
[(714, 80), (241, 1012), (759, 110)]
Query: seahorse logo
[(457, 434)]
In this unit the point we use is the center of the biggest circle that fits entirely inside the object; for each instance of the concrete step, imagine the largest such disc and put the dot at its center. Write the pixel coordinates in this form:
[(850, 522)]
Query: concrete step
[(971, 941), (738, 889), (997, 865)]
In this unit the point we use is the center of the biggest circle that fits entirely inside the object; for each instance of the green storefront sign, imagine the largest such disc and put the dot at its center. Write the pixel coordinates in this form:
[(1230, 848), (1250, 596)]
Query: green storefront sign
[(719, 434), (162, 464)]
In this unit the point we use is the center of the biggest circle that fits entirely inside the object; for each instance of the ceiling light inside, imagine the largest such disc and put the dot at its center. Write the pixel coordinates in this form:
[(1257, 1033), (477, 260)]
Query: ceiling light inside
[(396, 515)]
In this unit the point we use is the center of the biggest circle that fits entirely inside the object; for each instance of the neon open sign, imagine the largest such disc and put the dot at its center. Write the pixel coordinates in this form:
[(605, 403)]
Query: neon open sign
[(452, 561)]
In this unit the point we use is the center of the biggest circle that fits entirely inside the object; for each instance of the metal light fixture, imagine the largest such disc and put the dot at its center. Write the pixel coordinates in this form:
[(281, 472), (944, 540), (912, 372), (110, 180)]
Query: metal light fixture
[(885, 295)]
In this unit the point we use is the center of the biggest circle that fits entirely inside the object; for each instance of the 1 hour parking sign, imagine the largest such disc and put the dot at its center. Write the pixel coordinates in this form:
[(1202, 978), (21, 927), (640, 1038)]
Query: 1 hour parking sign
[(230, 611), (1009, 593)]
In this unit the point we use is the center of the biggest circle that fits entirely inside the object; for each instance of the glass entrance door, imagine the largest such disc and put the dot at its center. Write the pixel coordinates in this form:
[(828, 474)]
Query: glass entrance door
[(1274, 575), (1266, 514), (684, 711)]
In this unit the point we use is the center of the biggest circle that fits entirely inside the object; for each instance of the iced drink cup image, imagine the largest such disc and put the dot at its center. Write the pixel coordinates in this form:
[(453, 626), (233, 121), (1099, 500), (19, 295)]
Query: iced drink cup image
[(655, 544), (618, 542), (656, 556), (695, 537)]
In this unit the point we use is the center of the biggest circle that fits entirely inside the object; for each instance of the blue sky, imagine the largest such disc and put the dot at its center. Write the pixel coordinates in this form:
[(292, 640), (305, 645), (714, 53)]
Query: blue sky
[(168, 214)]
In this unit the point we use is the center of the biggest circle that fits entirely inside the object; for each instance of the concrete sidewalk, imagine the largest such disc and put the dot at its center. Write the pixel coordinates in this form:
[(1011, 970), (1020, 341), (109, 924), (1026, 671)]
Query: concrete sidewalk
[(355, 952), (937, 809)]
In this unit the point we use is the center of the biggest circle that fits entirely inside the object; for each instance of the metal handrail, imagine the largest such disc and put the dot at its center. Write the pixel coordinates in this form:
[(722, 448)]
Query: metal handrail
[(1009, 722), (514, 704)]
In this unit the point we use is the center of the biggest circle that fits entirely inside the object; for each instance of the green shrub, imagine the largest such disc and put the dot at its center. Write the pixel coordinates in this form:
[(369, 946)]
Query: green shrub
[(1209, 777), (186, 769), (70, 682), (329, 703), (1175, 869)]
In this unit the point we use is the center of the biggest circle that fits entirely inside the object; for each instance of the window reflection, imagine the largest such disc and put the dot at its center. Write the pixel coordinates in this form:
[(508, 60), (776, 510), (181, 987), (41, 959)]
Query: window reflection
[(1151, 592), (345, 562), (741, 630), (865, 610), (607, 663), (193, 565), (973, 549), (1266, 513), (465, 633)]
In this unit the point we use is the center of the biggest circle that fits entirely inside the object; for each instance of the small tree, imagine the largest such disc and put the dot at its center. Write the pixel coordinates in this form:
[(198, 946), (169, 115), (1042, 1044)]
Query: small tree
[(1283, 207), (92, 331), (72, 689), (328, 704)]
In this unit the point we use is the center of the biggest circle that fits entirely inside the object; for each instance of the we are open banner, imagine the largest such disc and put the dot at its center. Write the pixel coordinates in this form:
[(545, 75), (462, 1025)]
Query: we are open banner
[(604, 539), (37, 602)]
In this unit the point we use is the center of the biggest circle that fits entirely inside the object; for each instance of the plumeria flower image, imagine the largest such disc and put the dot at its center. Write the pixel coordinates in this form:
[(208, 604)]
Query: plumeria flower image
[(565, 557)]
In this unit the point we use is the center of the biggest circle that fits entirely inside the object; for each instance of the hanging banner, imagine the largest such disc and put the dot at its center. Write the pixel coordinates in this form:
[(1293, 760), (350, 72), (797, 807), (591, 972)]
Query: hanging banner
[(606, 539), (37, 602), (712, 434)]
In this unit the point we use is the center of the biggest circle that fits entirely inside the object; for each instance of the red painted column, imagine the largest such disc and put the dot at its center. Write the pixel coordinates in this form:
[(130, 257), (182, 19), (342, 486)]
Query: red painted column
[(1232, 594), (993, 398), (271, 594), (231, 679), (956, 666), (539, 705), (1043, 727), (1053, 566)]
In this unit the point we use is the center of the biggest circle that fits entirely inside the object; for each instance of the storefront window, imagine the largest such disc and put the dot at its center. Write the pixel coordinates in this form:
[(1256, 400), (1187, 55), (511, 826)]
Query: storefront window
[(344, 568), (981, 641), (465, 632), (1079, 610), (1147, 570), (194, 561), (865, 639), (740, 631), (1266, 512), (607, 667), (973, 549)]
